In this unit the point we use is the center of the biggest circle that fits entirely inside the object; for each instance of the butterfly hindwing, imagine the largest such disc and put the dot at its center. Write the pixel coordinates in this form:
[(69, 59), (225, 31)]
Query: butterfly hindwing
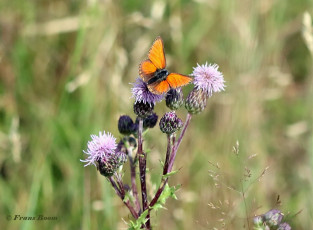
[(176, 80), (146, 70), (156, 54), (159, 87)]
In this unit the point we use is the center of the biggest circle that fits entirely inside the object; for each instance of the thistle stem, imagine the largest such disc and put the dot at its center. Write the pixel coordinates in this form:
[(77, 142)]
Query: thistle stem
[(142, 170), (176, 145), (171, 151), (168, 153), (163, 180), (133, 180), (122, 196)]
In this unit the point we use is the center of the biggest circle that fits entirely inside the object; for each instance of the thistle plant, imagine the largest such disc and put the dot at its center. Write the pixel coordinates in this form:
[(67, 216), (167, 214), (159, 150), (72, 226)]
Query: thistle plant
[(109, 157), (272, 220)]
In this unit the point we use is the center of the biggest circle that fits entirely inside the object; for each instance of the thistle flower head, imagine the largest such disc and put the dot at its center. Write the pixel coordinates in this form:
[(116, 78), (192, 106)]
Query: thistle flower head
[(103, 150), (284, 226), (141, 93), (170, 123), (273, 217), (208, 78), (100, 147), (174, 99)]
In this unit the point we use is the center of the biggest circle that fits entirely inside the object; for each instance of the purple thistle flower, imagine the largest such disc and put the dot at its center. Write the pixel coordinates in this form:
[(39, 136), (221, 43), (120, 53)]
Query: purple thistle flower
[(141, 93), (284, 226), (208, 78), (101, 147), (273, 217)]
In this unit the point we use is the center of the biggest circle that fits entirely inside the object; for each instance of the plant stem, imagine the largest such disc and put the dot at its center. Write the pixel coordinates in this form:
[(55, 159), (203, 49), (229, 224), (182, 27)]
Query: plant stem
[(172, 148), (133, 180), (244, 200), (168, 153), (163, 180), (176, 145), (142, 163), (122, 196), (142, 170)]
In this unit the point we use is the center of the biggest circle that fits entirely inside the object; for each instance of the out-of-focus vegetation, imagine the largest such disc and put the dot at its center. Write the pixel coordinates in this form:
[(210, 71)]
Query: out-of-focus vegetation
[(65, 69)]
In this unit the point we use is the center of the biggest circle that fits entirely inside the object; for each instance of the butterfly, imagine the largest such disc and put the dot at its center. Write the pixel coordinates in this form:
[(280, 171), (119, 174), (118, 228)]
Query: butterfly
[(154, 74)]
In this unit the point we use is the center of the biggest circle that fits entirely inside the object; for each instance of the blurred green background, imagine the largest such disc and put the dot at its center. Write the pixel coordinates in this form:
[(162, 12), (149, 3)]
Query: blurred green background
[(65, 69)]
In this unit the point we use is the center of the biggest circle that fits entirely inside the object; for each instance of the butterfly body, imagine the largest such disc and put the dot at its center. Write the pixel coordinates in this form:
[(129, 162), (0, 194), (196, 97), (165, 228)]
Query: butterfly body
[(154, 74), (159, 75)]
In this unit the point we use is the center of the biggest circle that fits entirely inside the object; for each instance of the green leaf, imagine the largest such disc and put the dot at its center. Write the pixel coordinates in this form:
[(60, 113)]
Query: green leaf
[(147, 151), (142, 218), (167, 192), (139, 222), (169, 174)]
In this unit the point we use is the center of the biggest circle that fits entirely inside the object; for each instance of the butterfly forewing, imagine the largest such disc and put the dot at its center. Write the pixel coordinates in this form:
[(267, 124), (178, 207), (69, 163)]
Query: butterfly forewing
[(146, 70), (156, 54), (159, 87), (176, 80)]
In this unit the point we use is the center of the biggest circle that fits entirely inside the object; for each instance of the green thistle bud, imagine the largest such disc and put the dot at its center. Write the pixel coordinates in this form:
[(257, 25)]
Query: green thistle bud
[(170, 123), (142, 109), (107, 167), (174, 99), (196, 101)]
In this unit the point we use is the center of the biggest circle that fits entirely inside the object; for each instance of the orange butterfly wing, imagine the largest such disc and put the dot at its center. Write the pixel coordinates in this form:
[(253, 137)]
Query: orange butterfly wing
[(159, 87), (146, 70), (156, 54), (176, 80)]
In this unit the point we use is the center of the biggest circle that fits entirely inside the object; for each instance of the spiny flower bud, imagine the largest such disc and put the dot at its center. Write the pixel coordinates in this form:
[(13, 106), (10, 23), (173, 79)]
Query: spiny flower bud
[(174, 99), (107, 167), (196, 101), (142, 109), (273, 217), (170, 123), (149, 121), (126, 125)]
